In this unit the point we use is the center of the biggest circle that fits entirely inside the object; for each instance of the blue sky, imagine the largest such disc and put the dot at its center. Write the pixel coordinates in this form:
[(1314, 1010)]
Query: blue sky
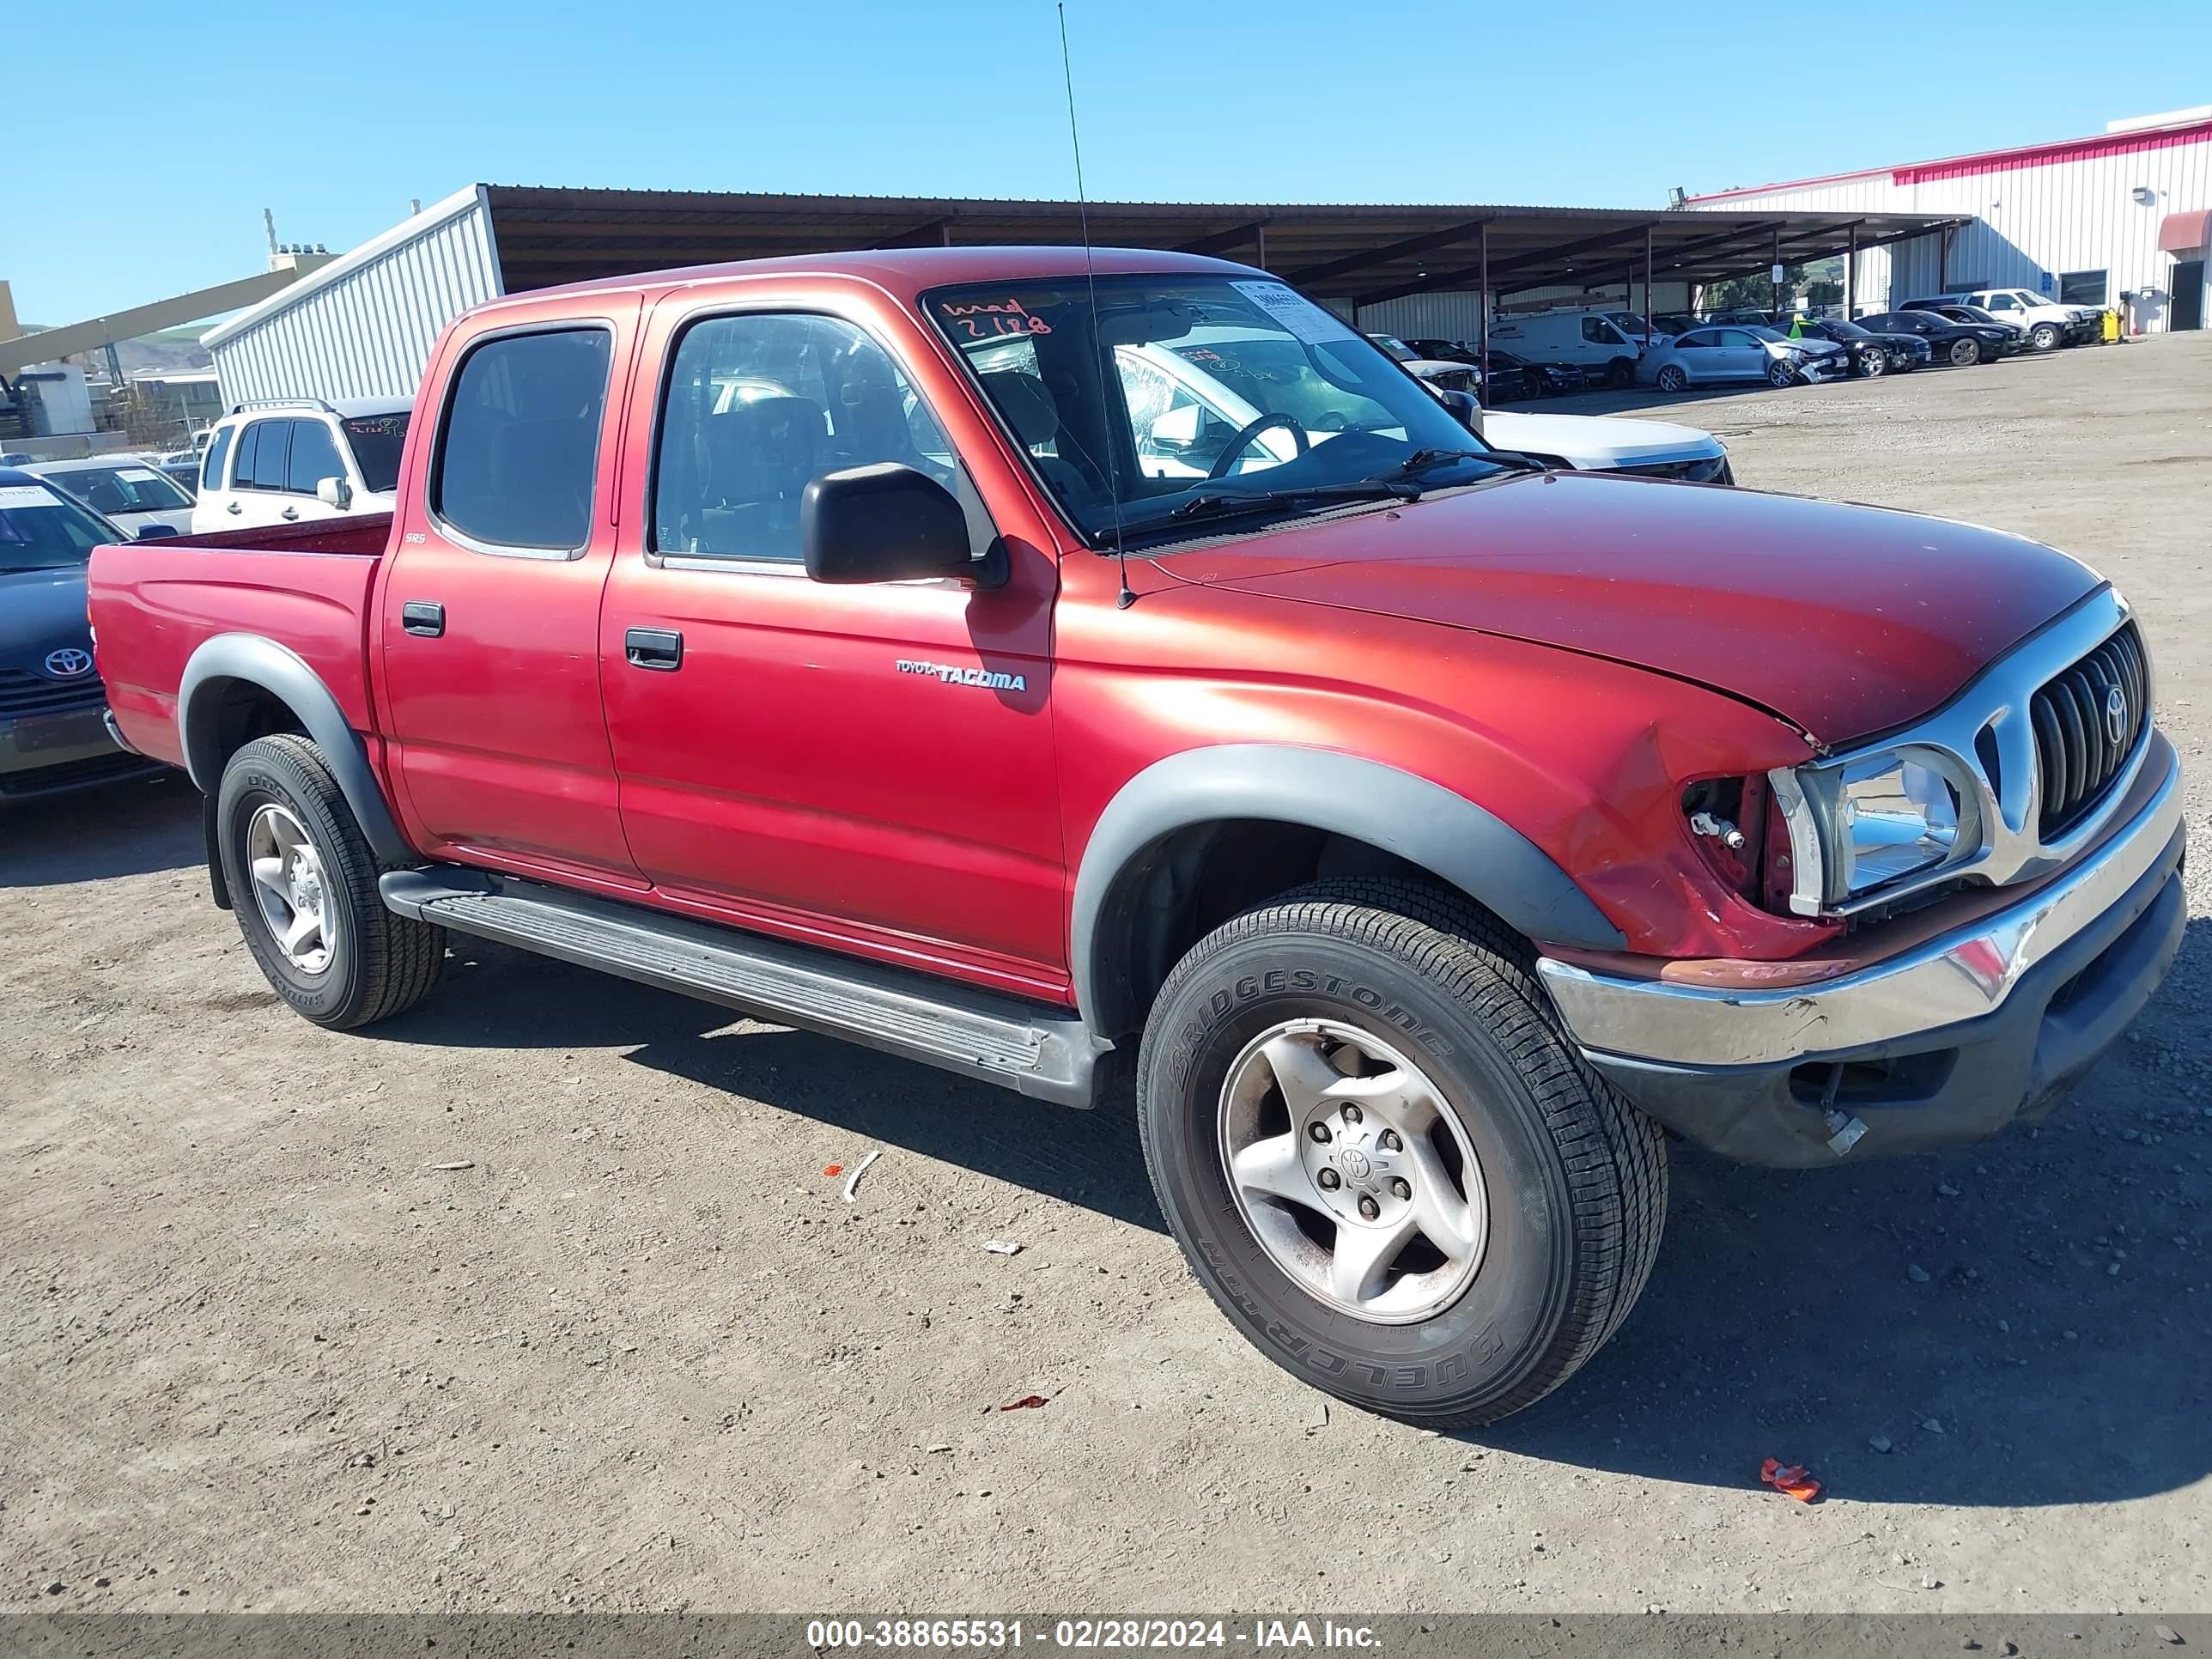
[(145, 139)]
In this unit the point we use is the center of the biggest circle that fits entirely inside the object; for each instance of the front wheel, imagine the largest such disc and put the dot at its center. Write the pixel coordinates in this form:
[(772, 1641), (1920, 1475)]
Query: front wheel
[(2044, 337), (1781, 374), (1873, 365), (302, 883), (1621, 373), (1383, 1161), (1965, 353)]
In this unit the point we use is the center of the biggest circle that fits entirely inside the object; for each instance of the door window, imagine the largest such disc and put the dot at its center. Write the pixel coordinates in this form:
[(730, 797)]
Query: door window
[(2003, 302), (1699, 342), (314, 458), (218, 452), (517, 457), (263, 455), (1736, 338), (760, 405), (1598, 332)]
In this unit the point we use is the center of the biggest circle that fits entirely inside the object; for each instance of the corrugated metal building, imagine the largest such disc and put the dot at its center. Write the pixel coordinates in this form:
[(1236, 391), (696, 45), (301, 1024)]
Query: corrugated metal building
[(2085, 220), (364, 325)]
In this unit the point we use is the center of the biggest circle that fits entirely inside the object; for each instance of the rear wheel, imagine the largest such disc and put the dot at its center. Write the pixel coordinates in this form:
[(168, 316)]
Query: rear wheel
[(1383, 1161), (1672, 378), (302, 883), (1965, 353)]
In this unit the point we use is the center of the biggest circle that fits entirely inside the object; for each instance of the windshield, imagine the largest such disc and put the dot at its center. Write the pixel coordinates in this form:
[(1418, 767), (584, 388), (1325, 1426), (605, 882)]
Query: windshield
[(1197, 387), (1629, 322), (1394, 346), (134, 488), (42, 531), (376, 441)]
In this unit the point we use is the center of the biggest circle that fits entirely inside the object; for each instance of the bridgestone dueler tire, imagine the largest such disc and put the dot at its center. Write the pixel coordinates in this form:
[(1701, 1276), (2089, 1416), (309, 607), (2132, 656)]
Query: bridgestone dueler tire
[(1576, 1177), (383, 964)]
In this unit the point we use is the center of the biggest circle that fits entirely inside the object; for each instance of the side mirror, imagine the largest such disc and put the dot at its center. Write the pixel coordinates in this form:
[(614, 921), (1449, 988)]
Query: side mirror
[(154, 532), (334, 492), (1176, 430), (1466, 408), (885, 523)]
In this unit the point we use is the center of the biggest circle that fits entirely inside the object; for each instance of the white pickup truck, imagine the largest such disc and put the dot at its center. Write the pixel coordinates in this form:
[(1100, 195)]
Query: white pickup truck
[(1193, 404)]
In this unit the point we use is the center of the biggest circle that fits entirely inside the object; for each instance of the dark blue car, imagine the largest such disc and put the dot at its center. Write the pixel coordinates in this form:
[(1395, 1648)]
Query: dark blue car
[(53, 730)]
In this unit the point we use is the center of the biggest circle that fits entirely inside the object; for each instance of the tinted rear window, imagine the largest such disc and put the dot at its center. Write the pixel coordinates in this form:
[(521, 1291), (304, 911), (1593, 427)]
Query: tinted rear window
[(519, 450), (376, 441)]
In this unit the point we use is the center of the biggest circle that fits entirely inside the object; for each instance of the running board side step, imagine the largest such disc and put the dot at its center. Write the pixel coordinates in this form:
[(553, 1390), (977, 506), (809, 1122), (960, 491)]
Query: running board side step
[(1034, 1051)]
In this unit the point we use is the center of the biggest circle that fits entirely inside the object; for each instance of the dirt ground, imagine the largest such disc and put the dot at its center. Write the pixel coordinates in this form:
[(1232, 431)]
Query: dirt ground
[(257, 1350)]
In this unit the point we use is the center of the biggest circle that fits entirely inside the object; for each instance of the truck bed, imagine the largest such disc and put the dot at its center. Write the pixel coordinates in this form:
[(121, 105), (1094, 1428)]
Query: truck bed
[(153, 603)]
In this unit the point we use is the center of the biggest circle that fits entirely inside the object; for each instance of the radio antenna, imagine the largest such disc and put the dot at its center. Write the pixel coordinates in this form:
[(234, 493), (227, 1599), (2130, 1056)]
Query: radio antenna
[(1090, 279)]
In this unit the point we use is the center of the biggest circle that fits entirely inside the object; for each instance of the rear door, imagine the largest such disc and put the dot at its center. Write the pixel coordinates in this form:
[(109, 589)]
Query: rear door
[(487, 613), (869, 767), (264, 452)]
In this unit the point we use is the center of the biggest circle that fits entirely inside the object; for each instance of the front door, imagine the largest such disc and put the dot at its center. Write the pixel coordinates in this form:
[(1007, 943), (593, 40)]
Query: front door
[(868, 767), (489, 611), (2188, 294)]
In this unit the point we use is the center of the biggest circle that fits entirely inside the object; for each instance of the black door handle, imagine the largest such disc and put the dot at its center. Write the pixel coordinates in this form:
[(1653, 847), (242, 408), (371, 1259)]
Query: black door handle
[(425, 618), (653, 647)]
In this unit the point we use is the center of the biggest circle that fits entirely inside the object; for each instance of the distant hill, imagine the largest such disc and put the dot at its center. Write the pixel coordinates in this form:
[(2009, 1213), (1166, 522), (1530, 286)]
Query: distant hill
[(166, 352)]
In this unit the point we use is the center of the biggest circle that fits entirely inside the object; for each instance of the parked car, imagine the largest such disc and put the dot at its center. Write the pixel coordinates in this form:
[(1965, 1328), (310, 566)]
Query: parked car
[(1504, 380), (53, 734), (1445, 373), (1872, 353), (290, 459), (2046, 323), (1589, 340), (1418, 832), (1719, 353), (182, 468), (130, 491), (1975, 317), (1959, 344), (1543, 379)]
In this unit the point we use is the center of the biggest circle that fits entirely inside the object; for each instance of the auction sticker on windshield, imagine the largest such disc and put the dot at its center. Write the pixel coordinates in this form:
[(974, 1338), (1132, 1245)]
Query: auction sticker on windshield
[(27, 495), (1307, 320)]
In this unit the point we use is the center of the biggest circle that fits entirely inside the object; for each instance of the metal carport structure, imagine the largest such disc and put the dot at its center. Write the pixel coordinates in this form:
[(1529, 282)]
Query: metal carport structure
[(363, 324)]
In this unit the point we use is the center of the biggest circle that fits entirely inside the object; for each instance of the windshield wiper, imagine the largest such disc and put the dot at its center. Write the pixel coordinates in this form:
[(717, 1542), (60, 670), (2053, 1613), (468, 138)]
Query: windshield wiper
[(1224, 502), (1421, 460)]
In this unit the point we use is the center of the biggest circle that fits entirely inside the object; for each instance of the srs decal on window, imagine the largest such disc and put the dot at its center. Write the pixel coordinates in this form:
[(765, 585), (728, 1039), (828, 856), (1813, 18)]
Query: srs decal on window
[(988, 679)]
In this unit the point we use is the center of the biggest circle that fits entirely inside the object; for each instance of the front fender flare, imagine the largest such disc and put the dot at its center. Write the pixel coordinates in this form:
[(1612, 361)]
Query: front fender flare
[(1417, 820), (258, 660)]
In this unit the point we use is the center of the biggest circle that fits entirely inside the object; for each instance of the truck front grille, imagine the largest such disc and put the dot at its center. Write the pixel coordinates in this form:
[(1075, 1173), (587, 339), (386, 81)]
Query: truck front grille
[(22, 692), (2087, 719)]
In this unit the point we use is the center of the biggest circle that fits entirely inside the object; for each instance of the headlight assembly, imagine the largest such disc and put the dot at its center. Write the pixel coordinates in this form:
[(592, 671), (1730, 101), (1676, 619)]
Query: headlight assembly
[(1860, 830)]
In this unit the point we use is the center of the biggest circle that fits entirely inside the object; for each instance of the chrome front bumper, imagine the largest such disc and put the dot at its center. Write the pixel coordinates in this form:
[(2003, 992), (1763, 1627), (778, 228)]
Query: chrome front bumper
[(1965, 975)]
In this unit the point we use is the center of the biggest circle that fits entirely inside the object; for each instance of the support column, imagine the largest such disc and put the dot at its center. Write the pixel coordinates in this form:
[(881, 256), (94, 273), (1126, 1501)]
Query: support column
[(1647, 288), (1851, 276), (1260, 244), (1773, 287), (1482, 291)]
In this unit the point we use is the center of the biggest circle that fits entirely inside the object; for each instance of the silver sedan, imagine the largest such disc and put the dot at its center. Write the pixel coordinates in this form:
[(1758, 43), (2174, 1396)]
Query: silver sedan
[(1737, 351)]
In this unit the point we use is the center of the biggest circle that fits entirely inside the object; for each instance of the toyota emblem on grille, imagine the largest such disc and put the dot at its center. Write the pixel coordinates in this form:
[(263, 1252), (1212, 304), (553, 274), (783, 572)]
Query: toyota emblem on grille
[(68, 662), (2115, 714)]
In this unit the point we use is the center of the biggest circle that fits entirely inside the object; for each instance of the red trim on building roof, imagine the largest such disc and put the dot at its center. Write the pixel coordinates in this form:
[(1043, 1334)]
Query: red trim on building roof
[(1998, 160)]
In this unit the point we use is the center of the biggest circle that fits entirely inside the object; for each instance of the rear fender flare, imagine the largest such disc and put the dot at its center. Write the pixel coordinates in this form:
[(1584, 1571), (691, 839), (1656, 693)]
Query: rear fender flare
[(1424, 822), (257, 660)]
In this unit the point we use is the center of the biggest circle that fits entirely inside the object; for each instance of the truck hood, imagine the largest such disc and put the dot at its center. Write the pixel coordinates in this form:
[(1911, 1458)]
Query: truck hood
[(1845, 621), (1598, 441), (41, 611)]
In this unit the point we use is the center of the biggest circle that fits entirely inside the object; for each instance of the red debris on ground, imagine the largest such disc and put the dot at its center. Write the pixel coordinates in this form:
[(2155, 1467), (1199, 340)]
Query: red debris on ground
[(1027, 1403), (831, 1171), (1790, 1478)]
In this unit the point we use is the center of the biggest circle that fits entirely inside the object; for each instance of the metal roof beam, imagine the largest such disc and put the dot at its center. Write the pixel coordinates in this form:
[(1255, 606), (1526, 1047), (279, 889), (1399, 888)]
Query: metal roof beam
[(1507, 267), (89, 336), (1243, 235), (1409, 248)]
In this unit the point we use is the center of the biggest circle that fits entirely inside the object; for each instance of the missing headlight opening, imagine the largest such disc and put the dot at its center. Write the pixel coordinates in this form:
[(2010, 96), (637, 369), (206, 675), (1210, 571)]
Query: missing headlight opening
[(1728, 818)]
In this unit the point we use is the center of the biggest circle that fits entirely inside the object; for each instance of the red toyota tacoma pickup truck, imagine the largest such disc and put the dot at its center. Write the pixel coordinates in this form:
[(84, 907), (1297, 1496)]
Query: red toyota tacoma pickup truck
[(927, 647)]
